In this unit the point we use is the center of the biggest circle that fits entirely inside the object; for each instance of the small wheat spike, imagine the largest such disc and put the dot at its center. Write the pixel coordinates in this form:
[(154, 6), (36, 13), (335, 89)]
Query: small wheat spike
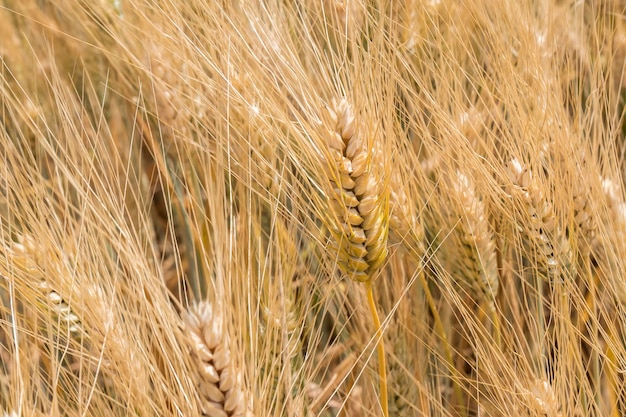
[(218, 383), (360, 203)]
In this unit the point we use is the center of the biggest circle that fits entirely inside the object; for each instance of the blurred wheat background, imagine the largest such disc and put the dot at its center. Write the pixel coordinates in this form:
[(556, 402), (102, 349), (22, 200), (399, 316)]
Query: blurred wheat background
[(197, 196)]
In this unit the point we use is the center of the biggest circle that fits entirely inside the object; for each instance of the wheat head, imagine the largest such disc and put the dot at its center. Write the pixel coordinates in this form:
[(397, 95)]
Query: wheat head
[(555, 255), (476, 263), (218, 382), (359, 199)]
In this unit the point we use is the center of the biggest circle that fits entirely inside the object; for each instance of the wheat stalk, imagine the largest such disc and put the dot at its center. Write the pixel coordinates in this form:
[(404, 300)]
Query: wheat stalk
[(217, 379)]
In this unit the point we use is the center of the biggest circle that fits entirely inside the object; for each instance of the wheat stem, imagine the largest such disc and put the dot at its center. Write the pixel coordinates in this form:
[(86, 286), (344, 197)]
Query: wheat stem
[(380, 347)]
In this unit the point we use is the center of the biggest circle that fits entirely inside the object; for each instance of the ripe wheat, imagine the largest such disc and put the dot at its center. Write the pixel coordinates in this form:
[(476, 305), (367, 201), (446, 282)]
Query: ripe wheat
[(358, 199), (217, 379), (477, 263), (543, 233)]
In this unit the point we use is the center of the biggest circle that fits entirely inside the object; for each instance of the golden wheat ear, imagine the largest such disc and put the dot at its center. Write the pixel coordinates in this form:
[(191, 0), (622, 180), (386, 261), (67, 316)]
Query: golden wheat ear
[(359, 199), (543, 234), (218, 381), (478, 264)]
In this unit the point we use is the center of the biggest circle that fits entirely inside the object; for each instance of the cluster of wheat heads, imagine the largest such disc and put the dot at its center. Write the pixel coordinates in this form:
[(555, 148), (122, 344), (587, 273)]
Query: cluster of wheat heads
[(187, 189)]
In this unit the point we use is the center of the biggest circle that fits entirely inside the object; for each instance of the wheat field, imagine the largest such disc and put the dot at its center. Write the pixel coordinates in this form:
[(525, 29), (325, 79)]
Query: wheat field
[(312, 208)]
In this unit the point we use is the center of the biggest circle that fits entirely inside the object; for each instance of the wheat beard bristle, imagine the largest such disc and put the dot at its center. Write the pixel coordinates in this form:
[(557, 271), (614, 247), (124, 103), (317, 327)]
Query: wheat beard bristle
[(218, 383), (358, 199)]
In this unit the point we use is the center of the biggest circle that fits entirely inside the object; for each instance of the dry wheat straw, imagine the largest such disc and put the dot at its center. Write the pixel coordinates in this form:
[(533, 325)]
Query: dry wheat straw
[(217, 378)]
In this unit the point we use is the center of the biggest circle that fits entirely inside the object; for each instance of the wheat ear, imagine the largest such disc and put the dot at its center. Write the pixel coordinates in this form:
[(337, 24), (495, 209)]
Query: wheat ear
[(24, 255), (543, 234), (360, 203), (358, 199), (479, 264), (218, 382), (555, 255)]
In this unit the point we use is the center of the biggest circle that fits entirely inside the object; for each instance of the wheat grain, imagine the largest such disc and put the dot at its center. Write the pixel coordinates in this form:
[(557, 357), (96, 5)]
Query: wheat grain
[(359, 199), (218, 382)]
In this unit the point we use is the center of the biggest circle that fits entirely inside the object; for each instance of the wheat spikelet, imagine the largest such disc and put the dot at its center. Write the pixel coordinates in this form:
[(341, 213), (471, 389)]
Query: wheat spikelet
[(218, 382), (359, 200), (555, 256), (477, 265)]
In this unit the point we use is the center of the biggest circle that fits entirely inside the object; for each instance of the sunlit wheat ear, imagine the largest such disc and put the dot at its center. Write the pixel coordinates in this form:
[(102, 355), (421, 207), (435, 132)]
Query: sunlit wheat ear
[(359, 198), (217, 379), (543, 234), (477, 262)]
